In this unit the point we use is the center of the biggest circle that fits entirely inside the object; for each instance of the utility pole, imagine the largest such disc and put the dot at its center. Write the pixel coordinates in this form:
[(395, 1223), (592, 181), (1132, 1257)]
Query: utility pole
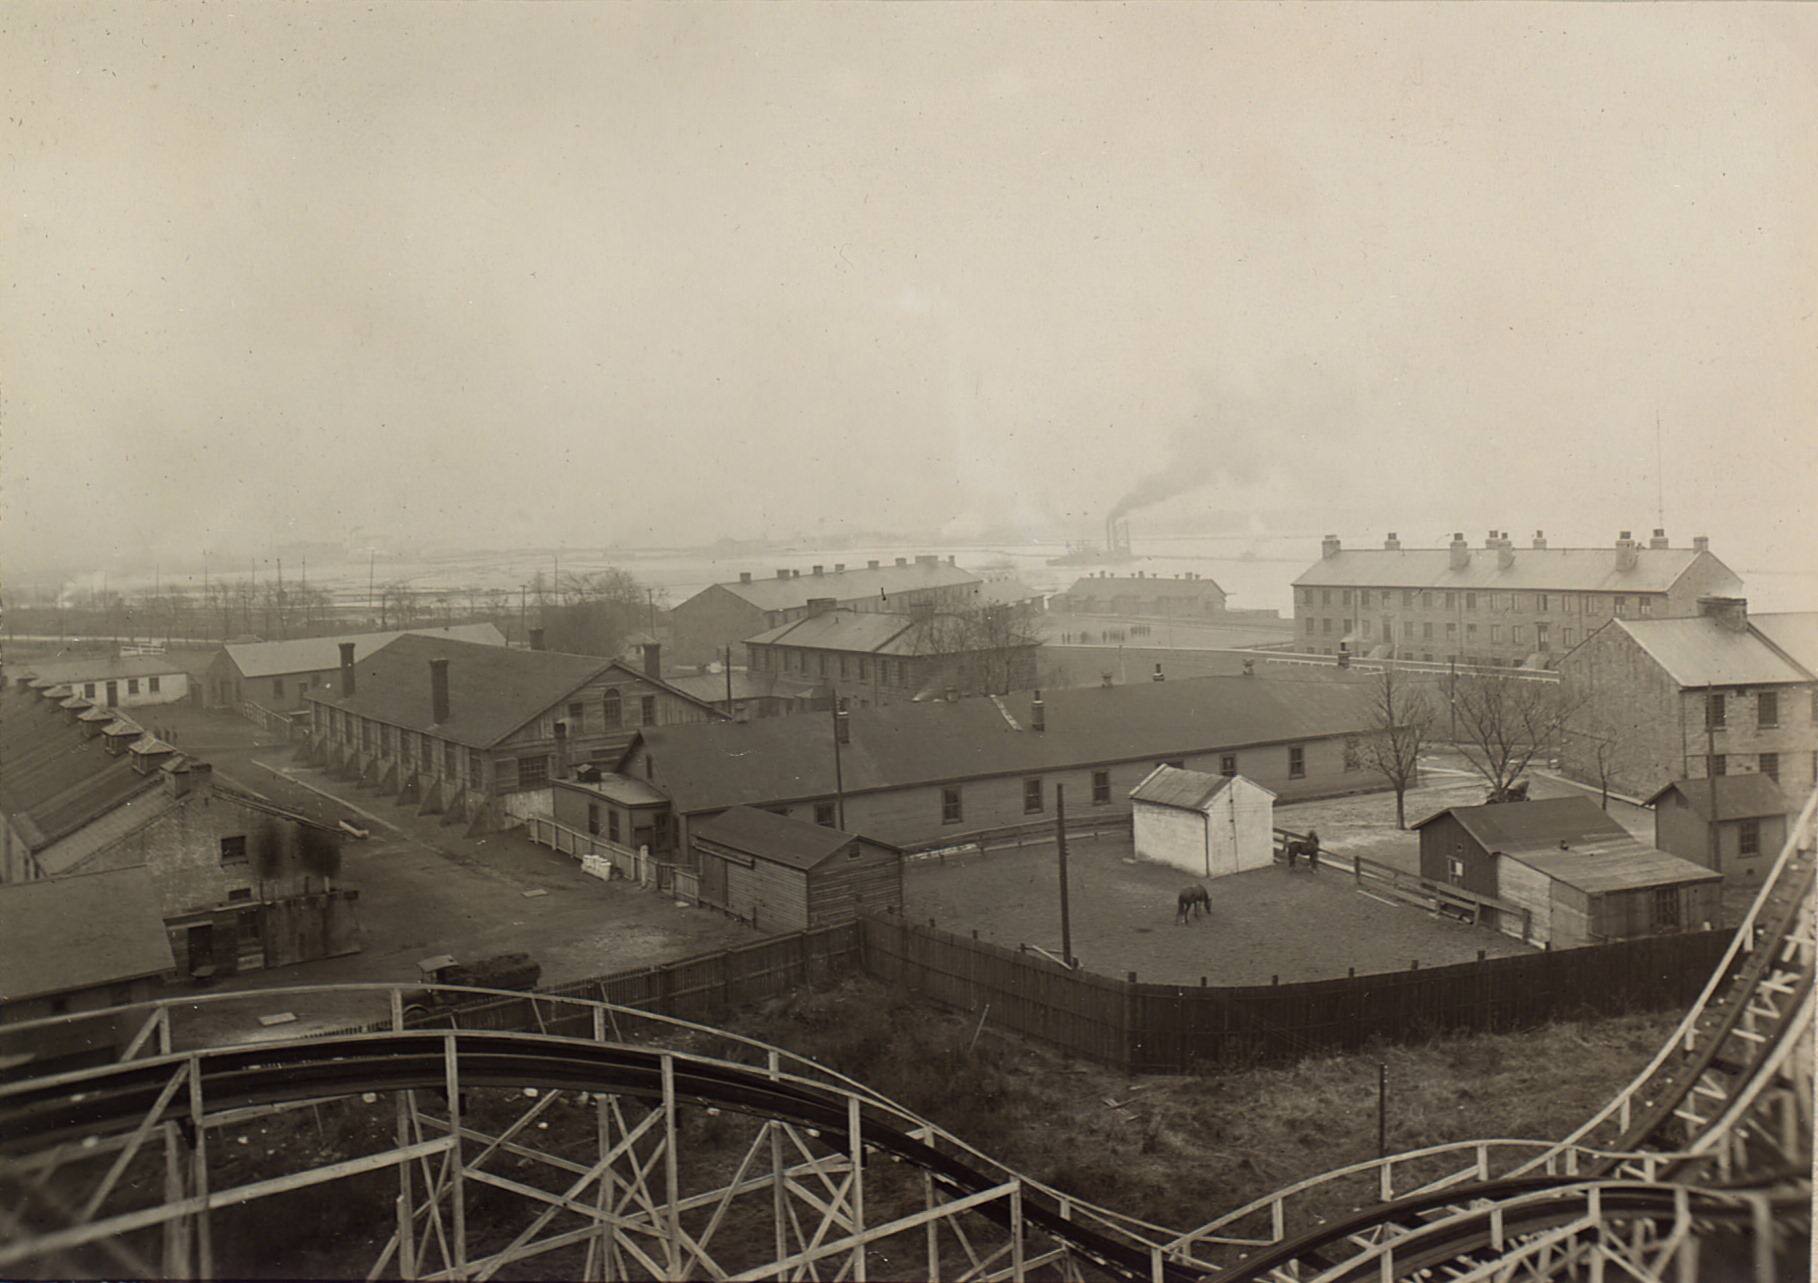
[(650, 612), (523, 609), (728, 667), (1382, 1111), (841, 733), (372, 561), (1712, 842), (1060, 842)]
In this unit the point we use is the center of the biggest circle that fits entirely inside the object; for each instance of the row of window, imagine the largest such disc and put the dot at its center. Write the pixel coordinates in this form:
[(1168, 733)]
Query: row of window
[(1622, 605), (1767, 764), (1767, 708), (1035, 789), (612, 707), (1518, 634), (132, 687), (831, 664)]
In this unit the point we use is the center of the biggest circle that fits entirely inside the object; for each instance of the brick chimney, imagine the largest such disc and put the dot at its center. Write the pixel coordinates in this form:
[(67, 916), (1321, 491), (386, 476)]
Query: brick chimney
[(561, 750), (1393, 542), (1038, 715), (818, 606), (1104, 679), (744, 576), (438, 691), (1328, 547), (347, 668), (536, 639), (871, 565), (1540, 539), (1731, 612), (1626, 553), (1461, 551), (782, 573), (653, 660), (819, 571), (1701, 543), (1157, 677), (902, 561), (1658, 539)]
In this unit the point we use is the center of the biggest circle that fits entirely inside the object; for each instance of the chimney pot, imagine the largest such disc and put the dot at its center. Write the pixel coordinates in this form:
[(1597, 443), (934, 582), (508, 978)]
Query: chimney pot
[(438, 691), (871, 565), (744, 576), (1701, 543), (653, 660), (782, 573), (1393, 542), (536, 639), (819, 570), (1540, 539), (952, 560)]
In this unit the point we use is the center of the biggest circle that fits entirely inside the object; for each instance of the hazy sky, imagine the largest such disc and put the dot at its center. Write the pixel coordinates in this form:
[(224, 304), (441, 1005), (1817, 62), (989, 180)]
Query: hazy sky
[(592, 273)]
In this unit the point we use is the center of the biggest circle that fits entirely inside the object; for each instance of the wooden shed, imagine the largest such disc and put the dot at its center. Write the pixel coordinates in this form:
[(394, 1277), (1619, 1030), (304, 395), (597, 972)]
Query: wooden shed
[(1580, 877), (1733, 824), (786, 875), (1205, 825)]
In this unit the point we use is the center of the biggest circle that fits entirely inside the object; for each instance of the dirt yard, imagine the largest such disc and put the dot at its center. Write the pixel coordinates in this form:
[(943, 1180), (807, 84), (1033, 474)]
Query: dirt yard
[(1266, 923)]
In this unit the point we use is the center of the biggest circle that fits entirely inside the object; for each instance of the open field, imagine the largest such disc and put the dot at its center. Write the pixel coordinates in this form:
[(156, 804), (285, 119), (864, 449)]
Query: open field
[(1267, 923)]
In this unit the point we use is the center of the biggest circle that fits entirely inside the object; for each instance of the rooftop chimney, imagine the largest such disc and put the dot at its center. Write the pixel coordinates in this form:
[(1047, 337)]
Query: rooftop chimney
[(839, 567), (820, 570), (561, 750), (1461, 551), (902, 561), (438, 691), (872, 564), (842, 724), (1701, 543), (653, 660), (1658, 539), (1731, 612), (782, 573), (1490, 540), (1038, 718), (952, 560), (1104, 679), (1393, 542), (795, 574), (1540, 539), (821, 605), (744, 576), (1505, 553), (1158, 673), (1626, 555), (536, 639), (1328, 547), (347, 668)]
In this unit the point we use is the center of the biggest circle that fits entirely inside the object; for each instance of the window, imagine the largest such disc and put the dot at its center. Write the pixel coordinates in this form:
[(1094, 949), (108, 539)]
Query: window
[(1426, 632), (1363, 597), (233, 849), (1366, 628), (1518, 634), (823, 662), (1748, 837), (1455, 870), (152, 684), (476, 766), (1644, 606), (1101, 788), (1310, 622), (843, 673), (1407, 628), (1495, 633), (1714, 710), (950, 806), (1470, 601), (533, 772), (1767, 708), (1325, 625), (1227, 764), (451, 760), (1622, 606), (1565, 638), (615, 710), (864, 669), (1666, 908), (576, 719), (1325, 596), (365, 734), (1297, 763), (593, 819), (277, 688), (1353, 756), (647, 710), (1541, 602), (1770, 766), (823, 814), (1470, 630), (1720, 764), (1178, 763), (1542, 636), (88, 690), (1446, 601), (1407, 599), (1032, 796), (612, 825), (1451, 631)]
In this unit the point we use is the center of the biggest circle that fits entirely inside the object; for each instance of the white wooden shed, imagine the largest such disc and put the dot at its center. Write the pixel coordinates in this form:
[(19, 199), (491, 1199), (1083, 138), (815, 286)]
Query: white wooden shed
[(1205, 825)]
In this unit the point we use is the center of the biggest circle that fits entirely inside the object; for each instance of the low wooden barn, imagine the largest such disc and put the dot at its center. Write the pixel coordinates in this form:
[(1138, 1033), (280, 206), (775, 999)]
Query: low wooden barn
[(787, 875), (1733, 824), (1205, 825), (1580, 877)]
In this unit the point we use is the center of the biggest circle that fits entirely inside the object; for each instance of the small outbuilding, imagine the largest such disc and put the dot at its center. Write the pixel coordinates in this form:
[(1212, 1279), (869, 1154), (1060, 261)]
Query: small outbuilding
[(1579, 876), (1733, 824), (1205, 825), (787, 875)]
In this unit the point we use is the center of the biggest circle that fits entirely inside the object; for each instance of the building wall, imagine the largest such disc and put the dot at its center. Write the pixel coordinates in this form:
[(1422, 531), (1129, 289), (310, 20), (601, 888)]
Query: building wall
[(704, 625), (1619, 915), (771, 895), (1172, 836), (1570, 925), (135, 692), (1445, 838), (866, 878), (1533, 891), (1245, 829)]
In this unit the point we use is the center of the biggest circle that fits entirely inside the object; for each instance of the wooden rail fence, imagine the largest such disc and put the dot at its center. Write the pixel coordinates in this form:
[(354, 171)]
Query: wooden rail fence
[(1411, 887)]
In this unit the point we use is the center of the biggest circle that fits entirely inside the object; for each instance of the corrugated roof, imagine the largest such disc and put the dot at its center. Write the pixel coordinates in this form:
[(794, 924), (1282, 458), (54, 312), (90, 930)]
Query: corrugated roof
[(1794, 632), (1177, 787), (314, 654), (75, 669), (58, 935), (772, 837), (847, 585), (706, 767), (1148, 585), (1551, 569), (1701, 651), (1739, 797), (54, 776)]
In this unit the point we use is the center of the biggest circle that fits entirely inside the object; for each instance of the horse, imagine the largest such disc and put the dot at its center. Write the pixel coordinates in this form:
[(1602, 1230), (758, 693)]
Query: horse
[(1192, 900), (1308, 846)]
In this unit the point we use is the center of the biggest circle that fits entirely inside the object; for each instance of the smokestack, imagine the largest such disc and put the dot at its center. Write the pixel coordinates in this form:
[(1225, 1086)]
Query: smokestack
[(1659, 538), (347, 668), (561, 750), (1540, 539), (536, 639), (1461, 551), (1038, 717), (653, 660), (1626, 553), (438, 691), (1701, 543), (1731, 612), (1158, 673), (1393, 542), (744, 576), (1328, 547)]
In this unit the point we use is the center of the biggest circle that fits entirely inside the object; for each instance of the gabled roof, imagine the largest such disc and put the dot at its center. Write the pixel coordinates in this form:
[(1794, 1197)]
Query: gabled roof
[(315, 654), (1701, 651), (75, 669), (846, 585), (55, 777), (1739, 797), (1556, 569), (1630, 867), (1176, 787), (1574, 840), (869, 632), (614, 787), (60, 935), (1148, 585), (492, 690), (1545, 821), (705, 767), (772, 837), (1795, 633), (711, 687)]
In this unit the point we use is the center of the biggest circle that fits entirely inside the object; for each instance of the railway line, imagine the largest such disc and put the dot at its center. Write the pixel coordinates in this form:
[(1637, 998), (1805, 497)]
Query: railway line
[(1704, 1157)]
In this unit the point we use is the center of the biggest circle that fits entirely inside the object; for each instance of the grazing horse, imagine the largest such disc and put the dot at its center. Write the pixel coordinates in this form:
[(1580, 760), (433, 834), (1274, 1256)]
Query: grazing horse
[(1192, 900), (1308, 846)]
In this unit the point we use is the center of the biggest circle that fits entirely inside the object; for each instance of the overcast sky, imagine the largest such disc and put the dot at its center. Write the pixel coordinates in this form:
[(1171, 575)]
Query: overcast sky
[(598, 273)]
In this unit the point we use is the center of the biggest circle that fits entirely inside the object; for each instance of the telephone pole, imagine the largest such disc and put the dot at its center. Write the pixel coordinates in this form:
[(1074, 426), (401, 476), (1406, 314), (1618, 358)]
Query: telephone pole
[(1060, 843), (842, 732)]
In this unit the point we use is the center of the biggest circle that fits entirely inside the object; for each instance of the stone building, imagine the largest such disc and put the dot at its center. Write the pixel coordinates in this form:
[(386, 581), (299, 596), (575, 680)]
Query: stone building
[(1186, 596), (1683, 699), (1495, 605), (278, 675)]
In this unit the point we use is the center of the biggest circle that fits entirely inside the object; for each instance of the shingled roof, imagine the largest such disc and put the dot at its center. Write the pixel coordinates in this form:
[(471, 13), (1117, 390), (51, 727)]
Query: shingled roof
[(1574, 840), (704, 767), (60, 935), (1544, 569), (777, 838), (316, 654), (1739, 797), (55, 777), (492, 690)]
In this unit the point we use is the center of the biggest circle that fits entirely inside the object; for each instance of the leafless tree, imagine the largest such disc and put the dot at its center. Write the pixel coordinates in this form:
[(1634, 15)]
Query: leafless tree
[(590, 613), (399, 606), (1401, 722), (985, 647), (1505, 722)]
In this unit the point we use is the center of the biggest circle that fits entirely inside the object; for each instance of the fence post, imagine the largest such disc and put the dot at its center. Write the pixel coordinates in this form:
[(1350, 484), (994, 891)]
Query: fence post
[(1129, 1019)]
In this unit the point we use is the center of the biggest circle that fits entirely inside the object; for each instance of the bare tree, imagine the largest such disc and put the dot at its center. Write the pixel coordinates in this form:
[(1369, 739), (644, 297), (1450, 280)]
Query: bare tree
[(1505, 722), (399, 606), (1401, 722), (590, 614), (987, 649)]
